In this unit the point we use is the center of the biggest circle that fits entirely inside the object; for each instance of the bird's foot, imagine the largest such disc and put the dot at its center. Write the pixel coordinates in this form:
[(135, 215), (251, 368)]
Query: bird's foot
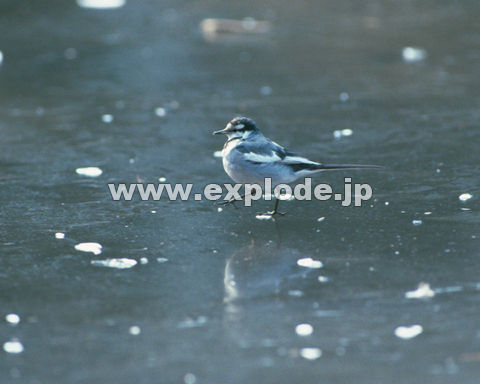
[(272, 213), (228, 202)]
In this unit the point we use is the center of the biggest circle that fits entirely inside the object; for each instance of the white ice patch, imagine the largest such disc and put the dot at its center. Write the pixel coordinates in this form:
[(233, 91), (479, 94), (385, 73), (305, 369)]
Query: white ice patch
[(308, 262), (59, 235), (422, 292), (465, 196), (134, 330), (12, 319), (311, 353), (107, 118), (303, 329), (264, 217), (95, 248), (417, 222), (160, 112), (101, 4), (13, 346), (193, 323), (121, 263), (408, 332), (339, 133), (89, 171), (413, 54)]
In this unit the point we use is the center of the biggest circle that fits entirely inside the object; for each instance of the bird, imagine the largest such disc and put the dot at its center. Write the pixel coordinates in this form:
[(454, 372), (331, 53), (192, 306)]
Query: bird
[(250, 157)]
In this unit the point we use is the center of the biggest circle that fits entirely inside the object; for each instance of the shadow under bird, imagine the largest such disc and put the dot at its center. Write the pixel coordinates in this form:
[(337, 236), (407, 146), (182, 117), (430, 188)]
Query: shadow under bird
[(249, 157)]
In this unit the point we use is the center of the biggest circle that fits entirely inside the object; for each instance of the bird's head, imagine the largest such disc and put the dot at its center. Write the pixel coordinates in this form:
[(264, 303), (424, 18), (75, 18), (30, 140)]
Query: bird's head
[(239, 127)]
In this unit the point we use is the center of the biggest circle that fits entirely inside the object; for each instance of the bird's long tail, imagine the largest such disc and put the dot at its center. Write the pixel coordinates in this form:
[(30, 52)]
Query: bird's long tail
[(332, 167)]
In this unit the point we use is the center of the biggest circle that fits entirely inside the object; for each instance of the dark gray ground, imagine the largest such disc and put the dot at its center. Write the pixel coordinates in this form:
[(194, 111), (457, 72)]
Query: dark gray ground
[(419, 120)]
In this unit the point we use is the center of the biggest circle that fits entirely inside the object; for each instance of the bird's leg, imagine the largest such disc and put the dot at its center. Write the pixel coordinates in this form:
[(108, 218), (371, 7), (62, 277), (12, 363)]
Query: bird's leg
[(275, 209), (232, 201)]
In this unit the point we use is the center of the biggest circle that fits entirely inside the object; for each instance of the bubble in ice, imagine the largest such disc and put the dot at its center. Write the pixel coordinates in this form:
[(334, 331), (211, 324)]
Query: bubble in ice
[(465, 196), (304, 329), (323, 279), (189, 378), (70, 53), (408, 332), (344, 96), (12, 318), (218, 154), (162, 179), (101, 4), (413, 54), (417, 222), (193, 323), (59, 235), (311, 353), (160, 112), (162, 259), (119, 263), (89, 171), (95, 248), (134, 330), (295, 293), (219, 209), (107, 118), (13, 346), (1, 57), (320, 219), (143, 260), (308, 262), (422, 292), (266, 90)]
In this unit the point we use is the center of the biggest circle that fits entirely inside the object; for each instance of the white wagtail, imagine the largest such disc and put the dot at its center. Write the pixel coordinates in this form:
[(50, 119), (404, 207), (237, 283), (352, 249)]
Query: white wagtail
[(249, 157)]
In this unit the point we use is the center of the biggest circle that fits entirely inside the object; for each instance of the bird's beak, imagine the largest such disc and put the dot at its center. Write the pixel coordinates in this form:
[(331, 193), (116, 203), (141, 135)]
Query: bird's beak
[(224, 131), (220, 132)]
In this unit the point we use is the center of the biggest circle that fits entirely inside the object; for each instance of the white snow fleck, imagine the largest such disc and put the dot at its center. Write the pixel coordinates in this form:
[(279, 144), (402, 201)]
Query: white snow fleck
[(465, 196), (13, 346), (408, 332), (311, 353), (107, 118), (413, 54), (12, 318), (303, 329), (308, 262), (120, 263), (95, 248), (160, 112), (422, 292), (101, 4), (89, 171), (134, 330)]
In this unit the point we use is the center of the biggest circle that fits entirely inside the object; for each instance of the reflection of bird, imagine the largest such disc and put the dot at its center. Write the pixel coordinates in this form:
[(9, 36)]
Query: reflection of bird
[(262, 270), (249, 157)]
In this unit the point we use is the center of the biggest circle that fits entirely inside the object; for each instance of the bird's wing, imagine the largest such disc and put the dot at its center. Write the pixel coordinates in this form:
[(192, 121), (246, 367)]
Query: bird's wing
[(261, 152), (271, 152)]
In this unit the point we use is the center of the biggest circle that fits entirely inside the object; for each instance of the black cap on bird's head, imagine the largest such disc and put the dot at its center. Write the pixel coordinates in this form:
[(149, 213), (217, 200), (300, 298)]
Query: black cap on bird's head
[(240, 125)]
